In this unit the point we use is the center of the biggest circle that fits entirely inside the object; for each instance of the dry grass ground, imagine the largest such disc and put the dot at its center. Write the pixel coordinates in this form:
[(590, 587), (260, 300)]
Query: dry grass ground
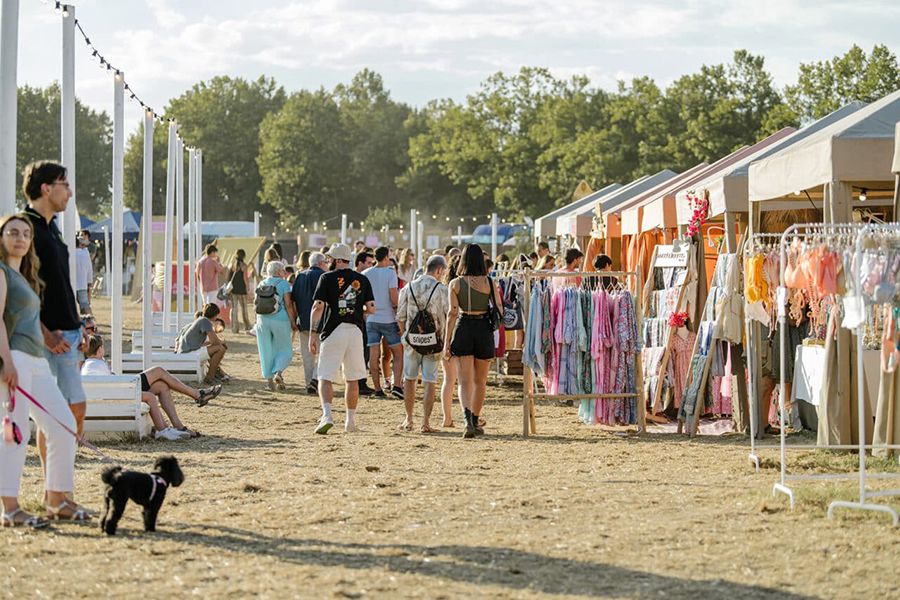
[(269, 509)]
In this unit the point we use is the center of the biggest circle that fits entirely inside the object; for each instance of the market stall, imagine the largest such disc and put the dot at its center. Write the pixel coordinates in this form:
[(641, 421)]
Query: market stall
[(546, 226)]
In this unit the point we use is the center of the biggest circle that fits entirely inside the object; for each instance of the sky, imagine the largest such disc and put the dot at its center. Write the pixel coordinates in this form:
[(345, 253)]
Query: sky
[(426, 49)]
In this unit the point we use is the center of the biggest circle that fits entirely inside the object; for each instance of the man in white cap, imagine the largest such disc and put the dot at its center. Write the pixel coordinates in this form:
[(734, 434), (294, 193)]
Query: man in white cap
[(343, 298)]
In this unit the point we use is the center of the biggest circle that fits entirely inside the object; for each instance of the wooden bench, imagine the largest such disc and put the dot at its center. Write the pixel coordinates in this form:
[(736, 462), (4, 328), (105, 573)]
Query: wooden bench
[(162, 341), (189, 367), (114, 405)]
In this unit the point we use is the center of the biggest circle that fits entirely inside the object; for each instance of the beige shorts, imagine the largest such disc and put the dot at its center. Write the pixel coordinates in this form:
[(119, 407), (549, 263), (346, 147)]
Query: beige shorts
[(342, 349)]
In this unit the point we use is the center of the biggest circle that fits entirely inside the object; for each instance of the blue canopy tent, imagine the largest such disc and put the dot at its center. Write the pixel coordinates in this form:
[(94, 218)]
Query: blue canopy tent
[(85, 222), (131, 224)]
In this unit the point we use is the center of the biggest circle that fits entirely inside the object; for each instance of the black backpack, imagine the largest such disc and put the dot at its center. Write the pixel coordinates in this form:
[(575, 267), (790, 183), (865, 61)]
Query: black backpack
[(267, 301), (422, 335)]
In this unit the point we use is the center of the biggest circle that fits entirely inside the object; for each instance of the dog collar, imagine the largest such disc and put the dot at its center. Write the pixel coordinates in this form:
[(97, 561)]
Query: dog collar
[(156, 479)]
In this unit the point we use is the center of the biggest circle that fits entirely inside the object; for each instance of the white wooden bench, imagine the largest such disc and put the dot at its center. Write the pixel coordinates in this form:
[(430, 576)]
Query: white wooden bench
[(189, 367), (157, 320), (162, 341), (114, 405)]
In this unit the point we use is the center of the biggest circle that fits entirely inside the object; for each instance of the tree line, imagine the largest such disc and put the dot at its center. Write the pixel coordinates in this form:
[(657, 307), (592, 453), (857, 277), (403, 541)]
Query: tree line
[(517, 146)]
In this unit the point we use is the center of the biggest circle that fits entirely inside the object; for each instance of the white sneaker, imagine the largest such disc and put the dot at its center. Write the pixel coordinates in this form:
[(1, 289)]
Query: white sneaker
[(350, 427), (324, 425), (171, 434)]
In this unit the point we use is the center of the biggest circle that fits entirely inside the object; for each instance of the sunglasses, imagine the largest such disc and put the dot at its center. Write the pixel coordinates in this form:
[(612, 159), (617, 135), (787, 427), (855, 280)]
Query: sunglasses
[(11, 431)]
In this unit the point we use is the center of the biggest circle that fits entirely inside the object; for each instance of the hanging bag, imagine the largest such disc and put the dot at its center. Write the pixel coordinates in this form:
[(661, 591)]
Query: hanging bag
[(512, 310)]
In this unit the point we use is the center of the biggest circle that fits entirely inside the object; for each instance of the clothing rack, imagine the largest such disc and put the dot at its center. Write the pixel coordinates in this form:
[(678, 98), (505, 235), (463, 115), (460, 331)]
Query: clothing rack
[(755, 244), (846, 235), (529, 395), (497, 274)]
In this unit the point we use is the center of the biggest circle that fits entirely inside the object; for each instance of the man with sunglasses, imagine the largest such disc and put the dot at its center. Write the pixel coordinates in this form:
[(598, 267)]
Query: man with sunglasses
[(48, 192)]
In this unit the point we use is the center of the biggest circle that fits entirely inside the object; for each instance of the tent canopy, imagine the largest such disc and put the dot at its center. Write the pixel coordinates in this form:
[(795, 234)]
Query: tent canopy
[(896, 167), (856, 150), (85, 222), (546, 226), (608, 206), (579, 221), (131, 224), (631, 210)]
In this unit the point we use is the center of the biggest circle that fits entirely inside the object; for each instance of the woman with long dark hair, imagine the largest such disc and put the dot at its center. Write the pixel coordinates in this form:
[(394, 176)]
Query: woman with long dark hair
[(239, 282), (24, 364), (469, 337)]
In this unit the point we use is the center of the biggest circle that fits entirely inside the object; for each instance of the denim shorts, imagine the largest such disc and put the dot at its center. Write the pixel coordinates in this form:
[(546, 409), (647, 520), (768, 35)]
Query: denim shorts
[(388, 331), (413, 361), (82, 297), (65, 368)]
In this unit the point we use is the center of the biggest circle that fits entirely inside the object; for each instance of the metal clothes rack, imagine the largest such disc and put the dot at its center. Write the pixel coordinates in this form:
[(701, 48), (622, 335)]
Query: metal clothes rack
[(876, 231), (755, 244), (497, 273), (846, 235), (528, 396)]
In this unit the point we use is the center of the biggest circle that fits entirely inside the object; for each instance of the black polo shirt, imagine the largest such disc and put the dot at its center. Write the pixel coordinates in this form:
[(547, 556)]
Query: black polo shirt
[(58, 308)]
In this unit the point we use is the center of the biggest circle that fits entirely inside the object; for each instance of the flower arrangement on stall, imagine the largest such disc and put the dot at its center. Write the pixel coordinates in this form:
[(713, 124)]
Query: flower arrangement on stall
[(678, 319), (700, 207)]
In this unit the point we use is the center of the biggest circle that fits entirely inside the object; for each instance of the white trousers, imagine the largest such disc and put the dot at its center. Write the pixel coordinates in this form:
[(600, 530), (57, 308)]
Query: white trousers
[(36, 379), (309, 359)]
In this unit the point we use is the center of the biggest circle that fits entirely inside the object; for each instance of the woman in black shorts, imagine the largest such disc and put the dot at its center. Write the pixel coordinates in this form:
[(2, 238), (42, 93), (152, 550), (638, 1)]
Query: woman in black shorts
[(469, 337)]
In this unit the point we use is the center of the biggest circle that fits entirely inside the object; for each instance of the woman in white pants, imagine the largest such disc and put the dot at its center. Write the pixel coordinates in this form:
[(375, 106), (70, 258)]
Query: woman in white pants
[(24, 365)]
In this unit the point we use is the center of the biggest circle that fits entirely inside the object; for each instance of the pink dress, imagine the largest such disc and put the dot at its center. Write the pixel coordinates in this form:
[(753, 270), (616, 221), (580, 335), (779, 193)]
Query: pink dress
[(681, 350)]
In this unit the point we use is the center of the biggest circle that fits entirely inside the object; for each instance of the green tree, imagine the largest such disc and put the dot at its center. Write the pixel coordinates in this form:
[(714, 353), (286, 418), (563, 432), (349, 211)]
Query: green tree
[(38, 138), (304, 159), (823, 87), (222, 116)]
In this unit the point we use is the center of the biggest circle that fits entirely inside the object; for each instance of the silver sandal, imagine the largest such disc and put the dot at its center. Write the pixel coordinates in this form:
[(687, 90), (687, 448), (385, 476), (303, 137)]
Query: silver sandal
[(35, 522), (79, 516)]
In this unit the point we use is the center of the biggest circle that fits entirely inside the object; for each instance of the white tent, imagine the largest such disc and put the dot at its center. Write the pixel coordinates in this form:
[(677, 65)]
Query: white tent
[(546, 226), (729, 190), (834, 164), (579, 221), (632, 210)]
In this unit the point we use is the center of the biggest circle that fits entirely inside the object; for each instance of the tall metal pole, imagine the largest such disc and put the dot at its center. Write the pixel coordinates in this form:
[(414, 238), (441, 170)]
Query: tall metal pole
[(107, 280), (256, 216), (199, 202), (179, 231), (170, 218), (412, 229), (459, 235), (343, 229), (494, 237), (67, 120), (147, 248), (118, 208), (9, 45), (192, 230), (420, 246)]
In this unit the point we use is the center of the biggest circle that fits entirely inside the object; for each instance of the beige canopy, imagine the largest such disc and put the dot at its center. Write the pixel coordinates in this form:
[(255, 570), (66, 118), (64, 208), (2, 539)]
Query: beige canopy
[(835, 163), (632, 211), (546, 226), (896, 167)]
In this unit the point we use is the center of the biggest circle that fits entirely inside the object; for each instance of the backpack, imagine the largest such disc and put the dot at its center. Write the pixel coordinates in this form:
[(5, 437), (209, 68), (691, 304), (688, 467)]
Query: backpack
[(422, 334), (267, 301)]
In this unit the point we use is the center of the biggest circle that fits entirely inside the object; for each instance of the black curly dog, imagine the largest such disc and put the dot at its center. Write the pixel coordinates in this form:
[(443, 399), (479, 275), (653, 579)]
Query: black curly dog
[(147, 490)]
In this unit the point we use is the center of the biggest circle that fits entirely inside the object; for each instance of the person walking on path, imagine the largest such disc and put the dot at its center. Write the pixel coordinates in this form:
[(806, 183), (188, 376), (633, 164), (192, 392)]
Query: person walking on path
[(275, 320), (202, 334), (84, 276), (239, 277), (362, 261), (22, 355), (208, 270), (48, 192), (302, 293), (469, 336), (426, 293), (347, 296), (383, 324)]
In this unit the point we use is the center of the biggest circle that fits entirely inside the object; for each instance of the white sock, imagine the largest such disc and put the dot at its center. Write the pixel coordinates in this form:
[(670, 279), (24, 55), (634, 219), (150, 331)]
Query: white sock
[(351, 413), (326, 409)]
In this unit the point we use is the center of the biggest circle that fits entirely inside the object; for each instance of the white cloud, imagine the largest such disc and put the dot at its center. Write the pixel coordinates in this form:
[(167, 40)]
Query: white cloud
[(164, 14)]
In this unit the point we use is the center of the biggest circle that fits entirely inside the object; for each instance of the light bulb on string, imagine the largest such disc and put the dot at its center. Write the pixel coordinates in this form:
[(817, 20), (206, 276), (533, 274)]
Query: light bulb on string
[(65, 12), (58, 9), (863, 196)]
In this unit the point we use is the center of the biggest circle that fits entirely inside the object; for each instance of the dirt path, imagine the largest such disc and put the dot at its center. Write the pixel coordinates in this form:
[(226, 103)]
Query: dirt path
[(270, 509)]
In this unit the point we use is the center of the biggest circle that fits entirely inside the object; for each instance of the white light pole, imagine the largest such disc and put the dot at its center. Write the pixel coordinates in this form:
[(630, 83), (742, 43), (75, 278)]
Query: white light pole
[(118, 208), (192, 231), (67, 120), (459, 235), (343, 229), (412, 229), (179, 231), (107, 279), (420, 246), (9, 45), (147, 249), (198, 208), (494, 237), (170, 218), (256, 216)]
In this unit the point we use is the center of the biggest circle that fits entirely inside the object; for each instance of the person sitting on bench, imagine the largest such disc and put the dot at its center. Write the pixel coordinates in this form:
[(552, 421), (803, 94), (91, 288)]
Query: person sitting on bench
[(156, 382), (202, 333)]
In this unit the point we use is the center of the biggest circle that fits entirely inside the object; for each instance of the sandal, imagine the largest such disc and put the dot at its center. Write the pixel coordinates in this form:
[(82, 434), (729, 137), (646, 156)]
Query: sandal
[(35, 522), (208, 394), (194, 433), (279, 382), (78, 516)]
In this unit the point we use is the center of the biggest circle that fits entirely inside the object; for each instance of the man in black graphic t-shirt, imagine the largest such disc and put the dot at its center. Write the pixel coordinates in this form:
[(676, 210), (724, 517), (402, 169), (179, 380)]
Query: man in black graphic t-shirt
[(343, 298)]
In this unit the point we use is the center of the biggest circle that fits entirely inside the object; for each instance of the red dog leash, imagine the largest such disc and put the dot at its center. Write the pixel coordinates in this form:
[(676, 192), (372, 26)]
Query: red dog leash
[(83, 441)]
